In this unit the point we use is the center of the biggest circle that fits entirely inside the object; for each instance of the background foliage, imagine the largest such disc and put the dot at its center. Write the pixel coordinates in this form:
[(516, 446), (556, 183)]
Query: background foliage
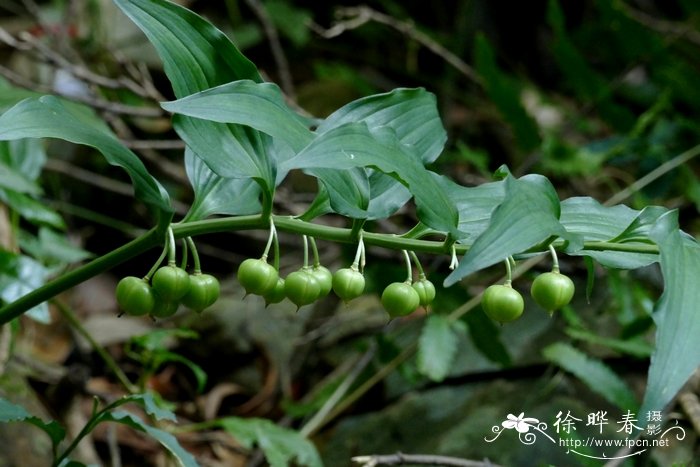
[(597, 96)]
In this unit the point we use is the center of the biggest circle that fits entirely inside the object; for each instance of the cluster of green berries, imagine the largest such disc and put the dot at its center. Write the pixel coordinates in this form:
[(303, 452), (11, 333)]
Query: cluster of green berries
[(311, 283), (551, 290), (169, 287)]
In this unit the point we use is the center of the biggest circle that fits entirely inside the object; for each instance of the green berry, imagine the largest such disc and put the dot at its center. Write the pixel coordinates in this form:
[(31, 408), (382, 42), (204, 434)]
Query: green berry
[(552, 290), (135, 296), (170, 282), (400, 299), (203, 292), (301, 287), (257, 276), (348, 283), (426, 291), (502, 303)]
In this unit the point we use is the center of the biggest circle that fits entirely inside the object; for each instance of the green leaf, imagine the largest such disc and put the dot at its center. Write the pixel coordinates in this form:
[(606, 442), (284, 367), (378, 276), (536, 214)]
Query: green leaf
[(586, 217), (47, 117), (486, 336), (281, 446), (10, 412), (597, 376), (167, 440), (197, 56), (257, 105), (15, 181), (474, 204), (214, 194), (528, 216), (151, 405), (20, 275), (52, 247), (32, 210), (437, 347), (676, 314), (412, 115), (26, 156), (355, 145)]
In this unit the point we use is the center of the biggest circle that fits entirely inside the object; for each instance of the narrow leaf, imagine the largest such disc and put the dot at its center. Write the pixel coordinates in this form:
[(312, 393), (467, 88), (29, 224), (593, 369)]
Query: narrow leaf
[(257, 105), (676, 314), (19, 275), (597, 376), (167, 440), (354, 145), (214, 194), (47, 117), (281, 446), (528, 215), (437, 347), (10, 412)]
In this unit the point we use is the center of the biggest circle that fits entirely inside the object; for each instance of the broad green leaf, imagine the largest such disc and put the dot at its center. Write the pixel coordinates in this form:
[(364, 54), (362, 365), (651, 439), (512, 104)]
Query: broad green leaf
[(47, 117), (151, 405), (282, 447), (597, 376), (27, 156), (411, 113), (474, 204), (504, 91), (355, 145), (257, 105), (214, 194), (32, 210), (528, 215), (586, 217), (639, 229), (10, 412), (167, 440), (20, 275), (197, 56), (437, 347), (11, 95), (347, 191), (676, 314), (52, 247), (12, 180)]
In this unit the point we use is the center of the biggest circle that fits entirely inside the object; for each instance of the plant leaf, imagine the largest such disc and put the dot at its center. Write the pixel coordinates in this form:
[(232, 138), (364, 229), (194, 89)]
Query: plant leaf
[(47, 117), (10, 412), (636, 347), (281, 446), (32, 210), (354, 145), (167, 440), (257, 105), (528, 215), (19, 275), (437, 347), (676, 314), (197, 56), (214, 194), (597, 376)]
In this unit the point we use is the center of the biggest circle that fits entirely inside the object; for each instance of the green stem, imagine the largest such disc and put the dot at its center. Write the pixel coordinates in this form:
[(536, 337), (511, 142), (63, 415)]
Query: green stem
[(183, 260), (171, 247), (555, 260), (253, 222), (359, 253), (314, 251), (509, 272), (156, 265), (409, 271), (416, 261), (270, 238), (195, 255), (306, 251), (104, 263)]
